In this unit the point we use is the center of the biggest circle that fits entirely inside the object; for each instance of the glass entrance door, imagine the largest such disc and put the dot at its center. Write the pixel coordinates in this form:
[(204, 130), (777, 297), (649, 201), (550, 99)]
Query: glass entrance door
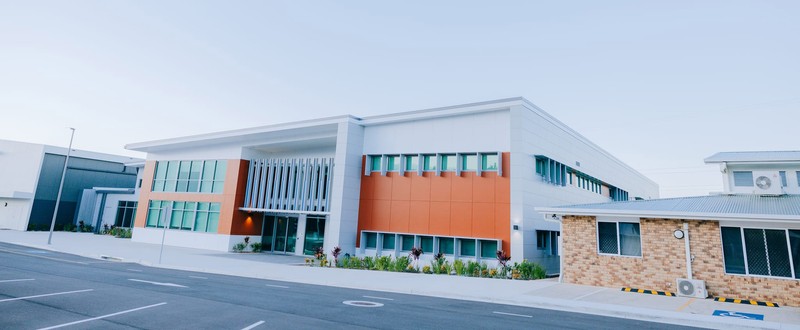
[(280, 233)]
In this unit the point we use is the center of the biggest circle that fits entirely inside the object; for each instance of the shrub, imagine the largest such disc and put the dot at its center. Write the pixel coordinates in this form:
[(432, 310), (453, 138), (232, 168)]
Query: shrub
[(458, 266), (530, 270), (426, 269), (239, 247), (382, 262), (256, 247), (401, 264), (473, 269), (369, 263)]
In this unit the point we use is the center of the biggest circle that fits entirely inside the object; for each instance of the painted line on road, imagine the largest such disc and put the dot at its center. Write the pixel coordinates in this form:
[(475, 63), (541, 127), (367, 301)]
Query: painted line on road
[(17, 280), (277, 286), (199, 277), (512, 314), (253, 325), (134, 270), (43, 257), (590, 293), (102, 317), (378, 298), (158, 283), (46, 295), (686, 304)]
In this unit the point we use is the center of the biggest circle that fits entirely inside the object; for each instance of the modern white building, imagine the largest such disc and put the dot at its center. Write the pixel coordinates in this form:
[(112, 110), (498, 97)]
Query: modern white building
[(31, 175), (460, 180)]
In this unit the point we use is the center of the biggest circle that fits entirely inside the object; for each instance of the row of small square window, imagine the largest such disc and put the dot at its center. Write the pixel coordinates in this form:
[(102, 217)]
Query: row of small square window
[(458, 162), (394, 242)]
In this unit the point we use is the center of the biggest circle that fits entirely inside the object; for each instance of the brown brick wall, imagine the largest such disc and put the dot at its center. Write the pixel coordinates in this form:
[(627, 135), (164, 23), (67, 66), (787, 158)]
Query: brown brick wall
[(663, 260)]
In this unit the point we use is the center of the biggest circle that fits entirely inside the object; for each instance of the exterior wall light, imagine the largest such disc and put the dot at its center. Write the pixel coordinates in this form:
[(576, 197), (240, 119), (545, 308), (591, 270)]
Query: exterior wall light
[(516, 227), (678, 233)]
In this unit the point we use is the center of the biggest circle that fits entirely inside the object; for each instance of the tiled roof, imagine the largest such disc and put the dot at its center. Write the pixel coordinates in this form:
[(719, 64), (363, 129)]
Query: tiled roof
[(754, 156), (733, 206)]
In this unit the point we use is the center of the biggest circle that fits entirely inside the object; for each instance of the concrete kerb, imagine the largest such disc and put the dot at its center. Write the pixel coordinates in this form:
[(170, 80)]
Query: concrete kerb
[(615, 310)]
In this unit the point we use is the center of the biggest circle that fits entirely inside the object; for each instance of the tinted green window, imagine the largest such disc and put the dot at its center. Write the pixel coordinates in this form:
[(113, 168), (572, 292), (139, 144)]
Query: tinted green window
[(153, 214), (489, 162), (488, 249), (411, 163), (372, 240), (429, 162), (469, 162), (426, 243), (446, 245), (408, 242), (448, 163), (467, 248), (393, 163), (388, 242), (375, 163)]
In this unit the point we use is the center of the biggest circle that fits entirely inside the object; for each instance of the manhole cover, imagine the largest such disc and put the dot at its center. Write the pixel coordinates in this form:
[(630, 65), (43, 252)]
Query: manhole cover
[(361, 303)]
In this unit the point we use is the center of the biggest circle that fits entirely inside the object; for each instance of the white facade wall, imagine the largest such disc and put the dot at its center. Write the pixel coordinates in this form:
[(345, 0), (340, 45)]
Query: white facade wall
[(342, 224), (791, 169), (189, 239), (20, 163), (109, 216)]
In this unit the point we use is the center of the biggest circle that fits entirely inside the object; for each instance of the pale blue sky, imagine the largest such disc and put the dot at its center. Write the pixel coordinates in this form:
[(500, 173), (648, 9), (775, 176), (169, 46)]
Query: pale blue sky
[(660, 85)]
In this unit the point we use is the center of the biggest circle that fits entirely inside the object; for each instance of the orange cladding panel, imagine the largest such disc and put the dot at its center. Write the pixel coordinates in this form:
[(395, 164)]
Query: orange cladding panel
[(144, 193), (440, 187), (419, 217), (440, 218), (381, 186), (400, 216), (461, 219), (483, 220), (381, 215), (401, 186), (241, 223), (421, 186), (483, 188), (461, 187)]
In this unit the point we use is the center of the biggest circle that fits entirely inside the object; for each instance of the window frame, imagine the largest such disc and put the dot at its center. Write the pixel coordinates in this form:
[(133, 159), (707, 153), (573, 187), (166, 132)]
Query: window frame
[(795, 273), (619, 239), (735, 184)]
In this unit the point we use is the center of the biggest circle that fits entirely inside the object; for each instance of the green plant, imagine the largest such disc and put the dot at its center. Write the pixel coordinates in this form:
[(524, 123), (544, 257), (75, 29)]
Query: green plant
[(426, 269), (458, 266), (473, 269), (69, 227), (369, 263), (401, 264), (530, 270), (239, 247), (335, 253), (382, 262), (256, 247)]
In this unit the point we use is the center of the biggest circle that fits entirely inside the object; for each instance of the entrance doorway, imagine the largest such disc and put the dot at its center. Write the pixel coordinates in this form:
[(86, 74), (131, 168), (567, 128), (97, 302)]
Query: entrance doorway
[(280, 233)]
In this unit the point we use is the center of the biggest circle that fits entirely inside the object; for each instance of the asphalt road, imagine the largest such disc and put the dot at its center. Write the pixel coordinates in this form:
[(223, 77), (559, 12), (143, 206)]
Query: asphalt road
[(43, 289)]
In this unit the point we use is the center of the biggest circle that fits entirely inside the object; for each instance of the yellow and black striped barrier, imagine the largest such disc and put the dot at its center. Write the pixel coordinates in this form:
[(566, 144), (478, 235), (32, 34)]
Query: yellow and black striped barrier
[(653, 292), (747, 302)]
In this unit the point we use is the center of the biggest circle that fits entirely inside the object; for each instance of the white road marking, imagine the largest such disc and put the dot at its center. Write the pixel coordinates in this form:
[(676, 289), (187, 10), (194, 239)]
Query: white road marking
[(134, 270), (200, 277), (512, 314), (253, 325), (46, 295), (590, 293), (362, 303), (377, 298), (17, 280), (277, 286), (158, 283), (102, 317), (43, 257)]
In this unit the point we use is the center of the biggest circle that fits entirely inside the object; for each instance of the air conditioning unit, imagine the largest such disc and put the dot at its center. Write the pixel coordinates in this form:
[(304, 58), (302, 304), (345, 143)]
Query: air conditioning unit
[(767, 183), (692, 288)]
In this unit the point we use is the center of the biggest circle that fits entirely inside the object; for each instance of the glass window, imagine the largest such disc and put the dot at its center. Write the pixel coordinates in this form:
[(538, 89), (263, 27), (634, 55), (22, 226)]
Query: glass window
[(732, 250), (607, 237), (372, 240), (798, 177), (743, 178), (467, 247), (448, 162), (388, 241), (407, 241), (488, 249), (201, 217), (213, 219), (541, 239), (794, 246), (783, 178), (630, 243), (153, 214), (540, 166), (393, 163), (429, 162), (446, 245), (375, 163), (412, 163), (489, 162), (469, 162), (426, 243), (315, 234)]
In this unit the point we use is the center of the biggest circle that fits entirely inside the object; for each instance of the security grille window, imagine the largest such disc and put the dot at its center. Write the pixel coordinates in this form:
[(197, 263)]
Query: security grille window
[(375, 163), (765, 252), (743, 178), (469, 162), (194, 216), (126, 212), (619, 238), (204, 176), (392, 163), (489, 162), (448, 162), (412, 163)]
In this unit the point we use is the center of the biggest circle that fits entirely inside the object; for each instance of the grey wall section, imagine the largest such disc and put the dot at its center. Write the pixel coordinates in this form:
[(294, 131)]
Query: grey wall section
[(82, 173)]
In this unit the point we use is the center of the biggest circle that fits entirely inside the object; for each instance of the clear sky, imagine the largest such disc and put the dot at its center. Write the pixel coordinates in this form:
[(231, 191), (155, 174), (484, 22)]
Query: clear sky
[(659, 84)]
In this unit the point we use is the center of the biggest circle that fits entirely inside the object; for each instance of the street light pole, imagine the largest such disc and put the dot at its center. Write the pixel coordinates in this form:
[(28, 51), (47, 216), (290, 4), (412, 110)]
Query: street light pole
[(60, 187)]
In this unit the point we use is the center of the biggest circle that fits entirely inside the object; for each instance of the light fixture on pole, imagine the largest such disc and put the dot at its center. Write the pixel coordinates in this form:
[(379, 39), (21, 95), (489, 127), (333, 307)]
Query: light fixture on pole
[(60, 187)]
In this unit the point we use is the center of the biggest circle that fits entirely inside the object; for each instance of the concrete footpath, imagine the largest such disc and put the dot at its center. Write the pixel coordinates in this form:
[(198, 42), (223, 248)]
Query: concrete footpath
[(548, 294)]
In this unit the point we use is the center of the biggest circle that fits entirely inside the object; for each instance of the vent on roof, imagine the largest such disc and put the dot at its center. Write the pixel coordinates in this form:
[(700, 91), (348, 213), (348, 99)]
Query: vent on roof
[(767, 183)]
